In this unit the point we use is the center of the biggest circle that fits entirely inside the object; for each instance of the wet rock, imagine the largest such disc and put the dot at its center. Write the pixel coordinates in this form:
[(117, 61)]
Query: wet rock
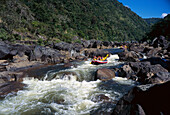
[(101, 98), (105, 106), (104, 74), (66, 75), (145, 99), (160, 77), (10, 87), (69, 65)]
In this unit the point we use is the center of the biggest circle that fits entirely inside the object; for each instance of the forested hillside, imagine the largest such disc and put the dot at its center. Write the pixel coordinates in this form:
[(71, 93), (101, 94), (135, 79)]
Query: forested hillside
[(62, 20), (160, 28), (152, 21)]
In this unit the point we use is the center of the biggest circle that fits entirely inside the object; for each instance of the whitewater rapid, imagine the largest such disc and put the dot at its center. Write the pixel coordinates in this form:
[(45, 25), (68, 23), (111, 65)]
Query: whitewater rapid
[(66, 96)]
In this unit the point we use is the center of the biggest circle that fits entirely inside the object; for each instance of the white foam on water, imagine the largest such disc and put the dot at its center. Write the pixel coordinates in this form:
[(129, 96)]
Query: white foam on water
[(68, 97), (61, 96), (74, 96), (113, 58), (124, 81)]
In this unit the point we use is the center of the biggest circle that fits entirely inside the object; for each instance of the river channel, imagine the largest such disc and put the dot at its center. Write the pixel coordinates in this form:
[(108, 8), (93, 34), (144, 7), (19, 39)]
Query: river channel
[(67, 91)]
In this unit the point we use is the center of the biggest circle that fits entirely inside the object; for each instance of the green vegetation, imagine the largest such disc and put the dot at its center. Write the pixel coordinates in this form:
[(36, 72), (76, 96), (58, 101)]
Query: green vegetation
[(61, 20), (160, 28), (152, 21)]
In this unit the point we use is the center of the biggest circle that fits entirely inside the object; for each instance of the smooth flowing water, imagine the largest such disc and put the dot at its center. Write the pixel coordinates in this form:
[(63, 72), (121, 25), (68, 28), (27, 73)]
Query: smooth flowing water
[(69, 91)]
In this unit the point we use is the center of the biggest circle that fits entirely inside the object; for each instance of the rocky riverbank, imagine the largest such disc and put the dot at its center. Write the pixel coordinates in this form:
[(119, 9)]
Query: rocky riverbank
[(148, 64), (153, 73), (15, 59)]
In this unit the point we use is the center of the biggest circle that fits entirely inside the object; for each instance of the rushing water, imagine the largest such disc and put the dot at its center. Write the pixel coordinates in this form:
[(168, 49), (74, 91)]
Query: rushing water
[(69, 91)]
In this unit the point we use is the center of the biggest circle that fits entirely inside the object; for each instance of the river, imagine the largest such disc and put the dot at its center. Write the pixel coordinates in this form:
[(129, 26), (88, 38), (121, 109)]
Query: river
[(67, 91)]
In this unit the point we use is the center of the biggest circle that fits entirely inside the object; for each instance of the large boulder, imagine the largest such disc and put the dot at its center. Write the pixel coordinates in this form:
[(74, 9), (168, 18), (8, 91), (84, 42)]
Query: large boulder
[(20, 50), (46, 55), (95, 52), (148, 72), (129, 56), (104, 74), (145, 100), (160, 42), (140, 71), (106, 44), (154, 52), (126, 71), (4, 50), (63, 46), (158, 60), (77, 47), (137, 47), (96, 44)]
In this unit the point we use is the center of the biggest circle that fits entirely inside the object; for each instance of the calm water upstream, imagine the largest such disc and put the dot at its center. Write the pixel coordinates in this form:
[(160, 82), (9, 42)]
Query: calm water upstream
[(68, 91)]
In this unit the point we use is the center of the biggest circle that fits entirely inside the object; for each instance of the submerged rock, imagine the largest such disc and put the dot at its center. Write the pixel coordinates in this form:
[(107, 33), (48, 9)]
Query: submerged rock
[(65, 75), (101, 98)]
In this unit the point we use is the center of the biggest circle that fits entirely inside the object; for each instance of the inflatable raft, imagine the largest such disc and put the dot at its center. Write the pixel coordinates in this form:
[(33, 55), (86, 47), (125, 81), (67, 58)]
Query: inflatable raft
[(96, 62)]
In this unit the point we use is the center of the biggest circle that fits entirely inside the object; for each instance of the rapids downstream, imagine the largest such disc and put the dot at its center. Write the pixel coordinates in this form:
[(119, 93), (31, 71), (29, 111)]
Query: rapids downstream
[(69, 91)]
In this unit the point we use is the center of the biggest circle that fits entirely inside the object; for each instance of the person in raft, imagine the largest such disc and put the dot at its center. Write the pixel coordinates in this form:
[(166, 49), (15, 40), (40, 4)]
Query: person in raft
[(100, 58), (94, 58)]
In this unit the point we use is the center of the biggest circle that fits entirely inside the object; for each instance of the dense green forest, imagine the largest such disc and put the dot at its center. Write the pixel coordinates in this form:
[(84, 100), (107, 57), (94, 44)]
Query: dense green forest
[(152, 21), (62, 20), (160, 28)]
